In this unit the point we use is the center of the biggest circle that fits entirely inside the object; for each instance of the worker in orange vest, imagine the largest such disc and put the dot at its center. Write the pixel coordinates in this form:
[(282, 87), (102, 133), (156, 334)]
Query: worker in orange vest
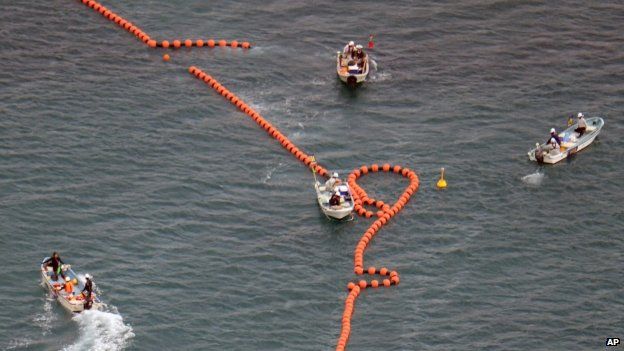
[(69, 287)]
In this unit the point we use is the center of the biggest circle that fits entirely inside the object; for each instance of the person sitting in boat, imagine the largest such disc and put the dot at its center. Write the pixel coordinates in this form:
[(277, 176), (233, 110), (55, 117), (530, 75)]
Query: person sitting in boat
[(553, 146), (335, 199), (582, 125), (353, 67), (332, 182), (88, 287), (570, 120), (56, 263), (553, 134), (349, 49), (69, 287), (359, 55)]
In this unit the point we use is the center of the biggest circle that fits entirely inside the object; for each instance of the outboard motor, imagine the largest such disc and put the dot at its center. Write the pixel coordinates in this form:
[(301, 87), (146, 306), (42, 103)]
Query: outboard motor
[(351, 81)]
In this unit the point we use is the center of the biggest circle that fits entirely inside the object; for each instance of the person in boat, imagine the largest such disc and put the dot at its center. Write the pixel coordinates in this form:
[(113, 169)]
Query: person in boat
[(353, 67), (539, 153), (334, 200), (553, 134), (332, 182), (56, 263), (349, 50), (360, 56), (553, 146), (68, 287), (582, 125), (570, 120), (88, 288)]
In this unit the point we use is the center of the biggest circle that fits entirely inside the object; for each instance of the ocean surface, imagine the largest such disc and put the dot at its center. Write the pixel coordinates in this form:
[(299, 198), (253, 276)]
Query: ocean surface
[(202, 233)]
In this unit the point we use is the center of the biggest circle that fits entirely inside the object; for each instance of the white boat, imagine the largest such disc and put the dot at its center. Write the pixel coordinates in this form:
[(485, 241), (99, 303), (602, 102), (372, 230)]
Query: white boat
[(339, 211), (74, 302), (571, 143), (342, 69)]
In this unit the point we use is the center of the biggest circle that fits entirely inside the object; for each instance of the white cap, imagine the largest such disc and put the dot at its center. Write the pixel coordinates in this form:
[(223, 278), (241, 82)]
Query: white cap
[(335, 175), (66, 279), (552, 130), (351, 43), (358, 46), (580, 114), (536, 144), (88, 276)]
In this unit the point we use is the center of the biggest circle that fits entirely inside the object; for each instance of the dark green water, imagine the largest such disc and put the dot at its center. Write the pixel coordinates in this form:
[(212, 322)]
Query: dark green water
[(202, 233)]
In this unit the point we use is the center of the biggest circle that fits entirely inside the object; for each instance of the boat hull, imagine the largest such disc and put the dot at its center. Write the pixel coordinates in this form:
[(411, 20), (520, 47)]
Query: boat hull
[(568, 148), (345, 76), (75, 302), (336, 212)]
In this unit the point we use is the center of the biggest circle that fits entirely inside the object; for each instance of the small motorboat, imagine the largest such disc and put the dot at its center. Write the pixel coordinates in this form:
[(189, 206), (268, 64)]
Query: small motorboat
[(571, 142), (339, 211), (75, 301), (350, 77)]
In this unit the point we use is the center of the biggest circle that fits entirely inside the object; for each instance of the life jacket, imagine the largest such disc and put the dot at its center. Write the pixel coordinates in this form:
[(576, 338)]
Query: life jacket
[(69, 288)]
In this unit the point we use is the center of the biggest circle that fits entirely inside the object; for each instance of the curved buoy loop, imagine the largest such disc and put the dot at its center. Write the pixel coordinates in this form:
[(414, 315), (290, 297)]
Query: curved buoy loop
[(146, 39), (361, 198), (385, 213), (256, 117)]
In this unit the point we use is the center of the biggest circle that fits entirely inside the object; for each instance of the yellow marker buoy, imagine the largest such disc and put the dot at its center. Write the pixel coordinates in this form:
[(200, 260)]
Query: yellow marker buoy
[(441, 183)]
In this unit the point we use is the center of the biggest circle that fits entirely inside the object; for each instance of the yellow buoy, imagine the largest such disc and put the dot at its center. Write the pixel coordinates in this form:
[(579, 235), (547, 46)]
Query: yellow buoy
[(441, 183)]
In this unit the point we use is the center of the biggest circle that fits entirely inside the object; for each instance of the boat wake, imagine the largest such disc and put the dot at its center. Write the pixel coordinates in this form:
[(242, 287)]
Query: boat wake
[(101, 331), (535, 179)]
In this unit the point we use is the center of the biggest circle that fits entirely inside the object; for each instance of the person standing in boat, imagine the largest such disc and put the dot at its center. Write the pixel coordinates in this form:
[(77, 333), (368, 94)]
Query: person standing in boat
[(332, 182), (88, 288), (553, 135), (56, 263), (582, 125)]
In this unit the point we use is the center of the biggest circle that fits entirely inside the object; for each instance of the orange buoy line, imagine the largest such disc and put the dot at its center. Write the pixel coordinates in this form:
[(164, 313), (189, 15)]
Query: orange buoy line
[(385, 212), (270, 129), (145, 38)]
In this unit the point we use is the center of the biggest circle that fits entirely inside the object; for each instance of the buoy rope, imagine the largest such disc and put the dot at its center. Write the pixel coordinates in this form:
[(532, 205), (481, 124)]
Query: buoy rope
[(146, 39), (385, 212), (360, 196)]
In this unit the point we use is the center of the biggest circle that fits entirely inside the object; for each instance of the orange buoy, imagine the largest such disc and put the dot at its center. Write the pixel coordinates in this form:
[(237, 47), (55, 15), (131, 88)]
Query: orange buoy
[(166, 57), (245, 45), (199, 43), (222, 42), (176, 44), (165, 44), (234, 44), (188, 43), (211, 43)]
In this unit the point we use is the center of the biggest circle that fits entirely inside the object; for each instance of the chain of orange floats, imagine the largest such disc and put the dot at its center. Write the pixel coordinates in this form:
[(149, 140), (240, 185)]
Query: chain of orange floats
[(384, 211)]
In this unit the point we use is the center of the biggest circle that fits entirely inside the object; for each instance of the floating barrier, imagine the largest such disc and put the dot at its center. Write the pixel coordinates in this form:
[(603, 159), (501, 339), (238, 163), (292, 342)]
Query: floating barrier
[(268, 127), (361, 199), (146, 39), (384, 212)]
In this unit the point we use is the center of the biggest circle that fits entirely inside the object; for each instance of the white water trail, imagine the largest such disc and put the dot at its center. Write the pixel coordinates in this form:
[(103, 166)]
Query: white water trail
[(535, 179), (101, 331), (374, 64)]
